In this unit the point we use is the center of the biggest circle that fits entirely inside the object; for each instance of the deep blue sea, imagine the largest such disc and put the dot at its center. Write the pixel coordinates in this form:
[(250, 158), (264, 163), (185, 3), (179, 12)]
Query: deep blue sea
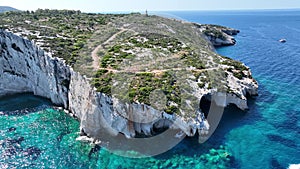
[(34, 135)]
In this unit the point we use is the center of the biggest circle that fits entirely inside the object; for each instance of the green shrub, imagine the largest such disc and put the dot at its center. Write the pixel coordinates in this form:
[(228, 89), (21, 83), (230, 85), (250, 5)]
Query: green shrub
[(73, 26), (215, 33), (171, 109), (238, 75), (236, 64), (201, 85)]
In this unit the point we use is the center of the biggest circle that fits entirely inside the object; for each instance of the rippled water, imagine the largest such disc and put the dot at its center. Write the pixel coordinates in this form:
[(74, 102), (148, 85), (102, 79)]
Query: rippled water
[(35, 135)]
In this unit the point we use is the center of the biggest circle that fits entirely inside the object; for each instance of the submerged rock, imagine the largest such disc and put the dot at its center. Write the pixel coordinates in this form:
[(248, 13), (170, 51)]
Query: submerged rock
[(14, 141), (275, 164), (32, 152), (11, 147), (94, 150), (11, 129), (10, 151)]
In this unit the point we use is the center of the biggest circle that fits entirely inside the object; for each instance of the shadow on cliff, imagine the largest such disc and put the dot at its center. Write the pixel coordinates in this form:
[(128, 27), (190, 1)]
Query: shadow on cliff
[(22, 104)]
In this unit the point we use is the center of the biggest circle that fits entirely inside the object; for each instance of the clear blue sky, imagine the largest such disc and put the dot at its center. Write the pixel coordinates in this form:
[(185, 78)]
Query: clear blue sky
[(151, 5)]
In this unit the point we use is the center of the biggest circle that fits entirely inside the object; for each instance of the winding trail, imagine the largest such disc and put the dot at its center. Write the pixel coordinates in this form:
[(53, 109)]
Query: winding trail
[(95, 56), (136, 68), (156, 71)]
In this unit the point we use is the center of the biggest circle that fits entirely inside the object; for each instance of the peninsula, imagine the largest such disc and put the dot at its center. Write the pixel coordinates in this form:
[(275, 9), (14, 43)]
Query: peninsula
[(124, 73)]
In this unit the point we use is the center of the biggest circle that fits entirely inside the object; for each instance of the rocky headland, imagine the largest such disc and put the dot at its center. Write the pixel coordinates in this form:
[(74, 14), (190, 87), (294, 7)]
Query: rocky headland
[(166, 60), (218, 35)]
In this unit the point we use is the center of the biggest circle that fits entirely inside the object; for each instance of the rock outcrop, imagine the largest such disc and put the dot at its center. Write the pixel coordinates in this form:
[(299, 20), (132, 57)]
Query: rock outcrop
[(218, 35), (24, 67)]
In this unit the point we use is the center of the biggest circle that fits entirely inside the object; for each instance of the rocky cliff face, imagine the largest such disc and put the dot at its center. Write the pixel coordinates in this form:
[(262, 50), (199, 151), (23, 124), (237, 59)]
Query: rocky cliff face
[(24, 67), (218, 35)]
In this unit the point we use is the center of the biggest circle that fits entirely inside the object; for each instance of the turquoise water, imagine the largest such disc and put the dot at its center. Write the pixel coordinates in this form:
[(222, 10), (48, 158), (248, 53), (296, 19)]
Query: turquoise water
[(35, 135), (39, 136)]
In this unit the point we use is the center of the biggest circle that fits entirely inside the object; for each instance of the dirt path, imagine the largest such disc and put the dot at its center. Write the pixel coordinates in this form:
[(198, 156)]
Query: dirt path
[(136, 68), (94, 52), (155, 71)]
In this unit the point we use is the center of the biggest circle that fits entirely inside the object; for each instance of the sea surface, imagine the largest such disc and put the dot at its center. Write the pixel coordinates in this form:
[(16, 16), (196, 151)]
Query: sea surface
[(33, 134)]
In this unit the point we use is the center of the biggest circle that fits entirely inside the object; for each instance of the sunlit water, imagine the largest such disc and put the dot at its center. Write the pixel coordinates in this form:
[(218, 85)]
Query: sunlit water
[(35, 135)]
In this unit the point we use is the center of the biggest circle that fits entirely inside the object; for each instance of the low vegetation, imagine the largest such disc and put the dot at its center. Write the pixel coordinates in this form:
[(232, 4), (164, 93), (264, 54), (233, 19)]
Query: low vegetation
[(214, 33), (139, 88), (61, 32), (236, 67)]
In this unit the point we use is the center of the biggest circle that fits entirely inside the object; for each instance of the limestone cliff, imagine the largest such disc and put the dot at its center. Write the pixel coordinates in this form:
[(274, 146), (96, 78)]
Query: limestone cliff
[(26, 68)]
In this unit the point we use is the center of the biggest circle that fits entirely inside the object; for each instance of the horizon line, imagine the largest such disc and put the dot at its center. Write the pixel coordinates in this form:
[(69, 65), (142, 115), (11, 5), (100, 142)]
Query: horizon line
[(170, 10), (200, 10)]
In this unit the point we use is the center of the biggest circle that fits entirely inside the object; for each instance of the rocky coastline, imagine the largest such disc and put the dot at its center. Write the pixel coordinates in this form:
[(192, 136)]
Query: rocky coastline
[(24, 67)]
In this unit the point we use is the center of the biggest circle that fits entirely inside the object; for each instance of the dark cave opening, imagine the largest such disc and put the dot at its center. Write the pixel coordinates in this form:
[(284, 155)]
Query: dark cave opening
[(205, 104)]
